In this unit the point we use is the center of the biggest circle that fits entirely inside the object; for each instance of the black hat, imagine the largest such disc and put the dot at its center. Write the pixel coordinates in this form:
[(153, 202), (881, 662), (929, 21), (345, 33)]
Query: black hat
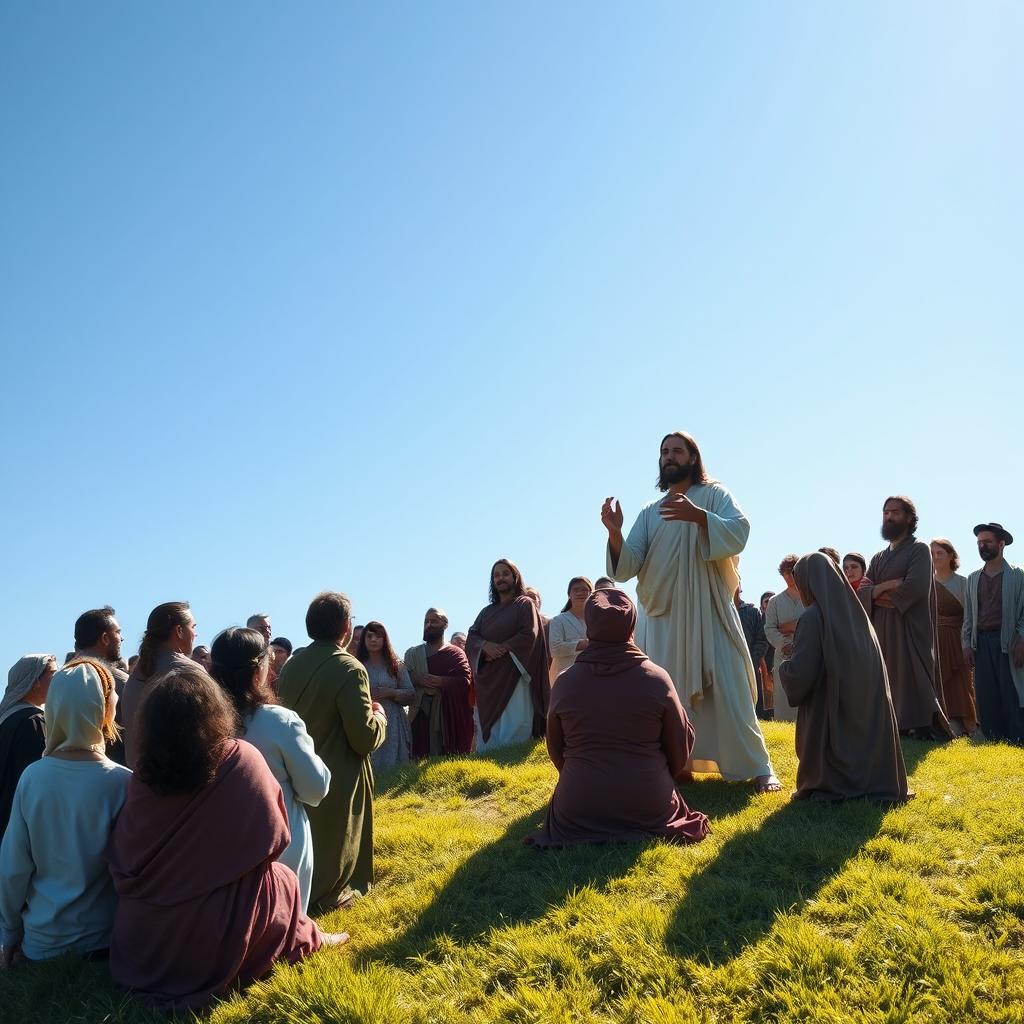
[(1004, 535)]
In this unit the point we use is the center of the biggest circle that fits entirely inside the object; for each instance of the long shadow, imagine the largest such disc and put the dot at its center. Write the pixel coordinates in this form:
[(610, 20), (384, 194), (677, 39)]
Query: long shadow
[(507, 883), (915, 751), (784, 862)]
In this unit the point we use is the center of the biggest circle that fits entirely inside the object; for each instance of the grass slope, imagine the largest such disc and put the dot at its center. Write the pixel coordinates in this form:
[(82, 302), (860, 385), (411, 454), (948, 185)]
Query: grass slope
[(787, 912)]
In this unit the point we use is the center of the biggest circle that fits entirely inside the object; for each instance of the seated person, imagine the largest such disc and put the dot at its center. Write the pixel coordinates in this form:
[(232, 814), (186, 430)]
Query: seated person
[(847, 739), (203, 904), (56, 895), (619, 738)]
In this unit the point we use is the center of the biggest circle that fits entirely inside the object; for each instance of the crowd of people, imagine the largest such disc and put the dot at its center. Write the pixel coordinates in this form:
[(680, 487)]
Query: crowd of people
[(184, 812)]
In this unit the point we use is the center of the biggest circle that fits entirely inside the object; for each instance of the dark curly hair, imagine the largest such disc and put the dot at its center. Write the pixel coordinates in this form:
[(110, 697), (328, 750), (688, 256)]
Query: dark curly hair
[(237, 654), (184, 720), (787, 564)]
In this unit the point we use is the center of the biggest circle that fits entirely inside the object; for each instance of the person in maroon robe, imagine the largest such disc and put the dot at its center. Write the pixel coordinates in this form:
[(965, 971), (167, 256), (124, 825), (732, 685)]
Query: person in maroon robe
[(441, 715), (619, 738), (203, 906), (509, 658)]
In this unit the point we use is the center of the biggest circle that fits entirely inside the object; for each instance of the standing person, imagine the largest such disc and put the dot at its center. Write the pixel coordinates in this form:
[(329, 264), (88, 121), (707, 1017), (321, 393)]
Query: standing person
[(330, 691), (993, 636), (901, 605), (509, 659), (167, 643), (201, 656), (604, 583), (780, 619), (459, 640), (354, 640), (22, 730), (280, 652), (98, 636), (240, 663), (261, 623), (855, 570), (957, 687), (847, 740), (441, 716), (767, 677), (619, 738), (392, 689), (56, 895), (568, 631), (832, 553), (757, 645), (683, 549)]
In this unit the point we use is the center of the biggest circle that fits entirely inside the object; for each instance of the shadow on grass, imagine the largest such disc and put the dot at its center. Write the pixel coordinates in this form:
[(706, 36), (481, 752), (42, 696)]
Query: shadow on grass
[(915, 751), (780, 864), (507, 883)]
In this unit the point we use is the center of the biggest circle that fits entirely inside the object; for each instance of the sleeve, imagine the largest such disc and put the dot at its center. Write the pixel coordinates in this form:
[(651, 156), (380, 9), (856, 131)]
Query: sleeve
[(16, 869), (916, 581), (634, 551), (777, 639), (728, 528), (528, 629), (967, 629), (561, 646), (801, 673), (474, 644), (462, 676), (310, 777), (405, 686), (28, 744), (760, 640), (676, 734), (410, 663), (1019, 596), (364, 729), (555, 739), (865, 592)]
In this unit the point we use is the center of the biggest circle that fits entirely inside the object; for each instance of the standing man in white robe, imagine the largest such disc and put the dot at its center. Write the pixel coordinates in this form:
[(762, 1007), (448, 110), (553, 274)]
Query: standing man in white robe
[(684, 551)]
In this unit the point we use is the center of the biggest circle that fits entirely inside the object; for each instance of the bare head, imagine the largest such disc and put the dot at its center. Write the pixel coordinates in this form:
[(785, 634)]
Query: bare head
[(435, 622)]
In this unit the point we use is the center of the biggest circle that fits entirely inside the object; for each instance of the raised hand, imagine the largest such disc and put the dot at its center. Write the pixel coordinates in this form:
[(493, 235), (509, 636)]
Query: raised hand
[(611, 515)]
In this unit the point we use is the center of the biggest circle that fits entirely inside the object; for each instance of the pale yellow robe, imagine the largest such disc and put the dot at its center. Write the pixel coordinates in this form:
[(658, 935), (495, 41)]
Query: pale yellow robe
[(686, 578)]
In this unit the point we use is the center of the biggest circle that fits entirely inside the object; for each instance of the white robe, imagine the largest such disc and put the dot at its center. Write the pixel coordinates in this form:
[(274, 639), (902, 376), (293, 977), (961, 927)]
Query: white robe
[(686, 578), (565, 632)]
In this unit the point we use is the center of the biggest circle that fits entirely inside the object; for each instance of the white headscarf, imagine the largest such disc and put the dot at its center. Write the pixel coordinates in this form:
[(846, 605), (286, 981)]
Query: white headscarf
[(21, 678), (75, 709)]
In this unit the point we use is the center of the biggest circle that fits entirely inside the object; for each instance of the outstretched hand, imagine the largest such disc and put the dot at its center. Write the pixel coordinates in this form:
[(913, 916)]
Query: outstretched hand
[(611, 515)]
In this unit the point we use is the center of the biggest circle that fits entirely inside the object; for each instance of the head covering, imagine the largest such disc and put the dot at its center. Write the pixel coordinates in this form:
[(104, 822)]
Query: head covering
[(20, 679), (610, 618), (1004, 535), (75, 708)]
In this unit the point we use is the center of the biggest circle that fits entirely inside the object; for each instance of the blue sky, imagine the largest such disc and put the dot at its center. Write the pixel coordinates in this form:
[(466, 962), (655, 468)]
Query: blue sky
[(361, 297)]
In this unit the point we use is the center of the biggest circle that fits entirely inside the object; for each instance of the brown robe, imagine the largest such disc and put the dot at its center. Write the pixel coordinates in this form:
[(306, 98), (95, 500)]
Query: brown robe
[(847, 739), (954, 672), (441, 721), (619, 738), (515, 625), (906, 634)]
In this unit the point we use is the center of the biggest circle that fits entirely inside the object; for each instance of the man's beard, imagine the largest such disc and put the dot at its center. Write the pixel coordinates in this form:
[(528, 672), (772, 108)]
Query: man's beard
[(892, 531), (987, 554), (668, 475), (432, 633)]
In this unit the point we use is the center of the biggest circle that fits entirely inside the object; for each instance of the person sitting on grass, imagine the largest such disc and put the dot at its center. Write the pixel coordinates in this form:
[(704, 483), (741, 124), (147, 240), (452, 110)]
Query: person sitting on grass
[(619, 738), (56, 895), (203, 904), (847, 738)]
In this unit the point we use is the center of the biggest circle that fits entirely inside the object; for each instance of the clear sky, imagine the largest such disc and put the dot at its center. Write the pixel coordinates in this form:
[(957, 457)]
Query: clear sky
[(363, 296)]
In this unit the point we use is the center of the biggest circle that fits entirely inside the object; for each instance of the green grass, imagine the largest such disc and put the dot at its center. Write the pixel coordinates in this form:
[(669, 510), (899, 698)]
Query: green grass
[(787, 912)]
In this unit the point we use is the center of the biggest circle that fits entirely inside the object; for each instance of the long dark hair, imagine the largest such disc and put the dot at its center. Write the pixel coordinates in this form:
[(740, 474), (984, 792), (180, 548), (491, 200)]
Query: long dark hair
[(237, 654), (388, 652), (697, 473), (163, 620), (572, 583), (184, 720), (517, 578)]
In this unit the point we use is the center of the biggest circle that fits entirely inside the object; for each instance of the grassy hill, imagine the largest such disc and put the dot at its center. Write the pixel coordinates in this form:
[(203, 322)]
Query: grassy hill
[(787, 912)]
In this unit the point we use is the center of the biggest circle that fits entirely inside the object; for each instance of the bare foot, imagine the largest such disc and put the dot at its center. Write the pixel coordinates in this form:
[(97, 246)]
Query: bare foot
[(767, 784), (333, 938)]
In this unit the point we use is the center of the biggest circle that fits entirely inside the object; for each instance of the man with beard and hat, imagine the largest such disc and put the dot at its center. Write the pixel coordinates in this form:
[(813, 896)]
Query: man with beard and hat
[(993, 636), (684, 550), (901, 605), (441, 715)]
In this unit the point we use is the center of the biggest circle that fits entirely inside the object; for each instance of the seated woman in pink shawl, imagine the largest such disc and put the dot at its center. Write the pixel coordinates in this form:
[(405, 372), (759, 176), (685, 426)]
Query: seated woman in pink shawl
[(203, 905), (619, 738)]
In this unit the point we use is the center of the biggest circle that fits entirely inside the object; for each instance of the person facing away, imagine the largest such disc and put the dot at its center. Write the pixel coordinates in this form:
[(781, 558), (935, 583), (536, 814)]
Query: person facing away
[(98, 636), (757, 644), (22, 728), (956, 685), (329, 690), (260, 621), (855, 569), (167, 643), (56, 895), (683, 549), (203, 904), (568, 632), (509, 659), (441, 714), (847, 739), (901, 605), (392, 689), (619, 738), (240, 663), (993, 636), (780, 619)]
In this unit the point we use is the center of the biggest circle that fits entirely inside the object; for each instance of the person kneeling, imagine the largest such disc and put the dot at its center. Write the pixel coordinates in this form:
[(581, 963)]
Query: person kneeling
[(847, 738), (204, 905), (619, 738)]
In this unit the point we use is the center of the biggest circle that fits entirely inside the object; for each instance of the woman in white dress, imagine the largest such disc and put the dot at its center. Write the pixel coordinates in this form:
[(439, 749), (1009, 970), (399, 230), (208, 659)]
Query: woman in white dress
[(392, 688), (568, 632), (241, 664), (780, 619)]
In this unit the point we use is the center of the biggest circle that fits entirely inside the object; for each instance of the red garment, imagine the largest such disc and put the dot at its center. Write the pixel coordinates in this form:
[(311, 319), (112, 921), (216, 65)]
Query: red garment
[(202, 903), (451, 663), (862, 582)]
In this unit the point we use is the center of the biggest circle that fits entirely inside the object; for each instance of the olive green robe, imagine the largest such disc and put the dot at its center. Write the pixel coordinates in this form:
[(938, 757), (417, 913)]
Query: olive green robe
[(330, 691)]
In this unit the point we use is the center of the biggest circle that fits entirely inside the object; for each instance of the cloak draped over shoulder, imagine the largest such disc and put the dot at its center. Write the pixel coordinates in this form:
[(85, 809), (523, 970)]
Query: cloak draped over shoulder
[(441, 720)]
